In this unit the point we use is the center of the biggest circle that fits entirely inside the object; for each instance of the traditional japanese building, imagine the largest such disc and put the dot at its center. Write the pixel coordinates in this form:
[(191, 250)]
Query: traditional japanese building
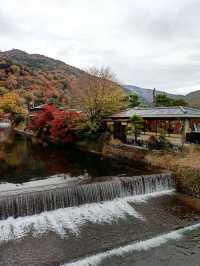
[(179, 123)]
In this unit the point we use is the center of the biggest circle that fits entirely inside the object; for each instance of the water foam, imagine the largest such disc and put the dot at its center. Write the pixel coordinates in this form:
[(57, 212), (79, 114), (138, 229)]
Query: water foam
[(69, 219), (34, 198), (63, 221), (138, 246)]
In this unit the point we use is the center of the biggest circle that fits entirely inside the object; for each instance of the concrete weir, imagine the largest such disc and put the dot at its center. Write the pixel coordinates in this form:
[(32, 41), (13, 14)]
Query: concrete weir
[(34, 200)]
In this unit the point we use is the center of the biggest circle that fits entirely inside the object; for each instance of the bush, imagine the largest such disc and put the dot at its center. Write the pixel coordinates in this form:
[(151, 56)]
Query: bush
[(159, 142), (19, 118), (136, 127), (90, 130), (115, 142), (56, 124), (7, 108)]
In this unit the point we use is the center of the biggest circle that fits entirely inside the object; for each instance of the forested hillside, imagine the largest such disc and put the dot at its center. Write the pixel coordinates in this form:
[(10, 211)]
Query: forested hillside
[(38, 77)]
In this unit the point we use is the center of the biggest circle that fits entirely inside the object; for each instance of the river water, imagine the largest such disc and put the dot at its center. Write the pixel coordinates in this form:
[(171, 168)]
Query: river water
[(151, 229), (23, 160)]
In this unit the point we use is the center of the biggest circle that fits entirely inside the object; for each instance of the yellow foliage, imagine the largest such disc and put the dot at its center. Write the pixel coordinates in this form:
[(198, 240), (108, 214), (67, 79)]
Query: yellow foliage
[(102, 95), (10, 102)]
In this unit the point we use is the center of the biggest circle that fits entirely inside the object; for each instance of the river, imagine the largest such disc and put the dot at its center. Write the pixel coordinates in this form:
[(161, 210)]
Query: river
[(154, 229)]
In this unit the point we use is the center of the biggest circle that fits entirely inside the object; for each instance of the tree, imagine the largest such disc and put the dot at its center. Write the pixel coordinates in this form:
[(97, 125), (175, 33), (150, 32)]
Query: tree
[(64, 126), (101, 94), (3, 91), (55, 101), (56, 124), (164, 100), (133, 100), (11, 103), (137, 124), (180, 102)]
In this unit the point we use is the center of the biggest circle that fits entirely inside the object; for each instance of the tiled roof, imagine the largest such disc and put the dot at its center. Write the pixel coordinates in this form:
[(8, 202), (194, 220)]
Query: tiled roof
[(160, 112)]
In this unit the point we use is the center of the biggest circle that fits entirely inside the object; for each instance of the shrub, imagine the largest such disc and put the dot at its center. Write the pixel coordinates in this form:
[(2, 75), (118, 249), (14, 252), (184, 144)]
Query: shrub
[(18, 117), (136, 127), (159, 142), (89, 129), (56, 124)]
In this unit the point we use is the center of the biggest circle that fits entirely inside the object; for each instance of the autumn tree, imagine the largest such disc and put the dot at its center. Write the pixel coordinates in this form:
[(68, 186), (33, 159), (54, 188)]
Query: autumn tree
[(56, 124), (101, 94), (3, 90), (11, 103), (27, 97)]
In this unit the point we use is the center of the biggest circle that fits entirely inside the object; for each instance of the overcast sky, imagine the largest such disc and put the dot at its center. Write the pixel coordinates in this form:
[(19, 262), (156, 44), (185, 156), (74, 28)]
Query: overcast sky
[(148, 43)]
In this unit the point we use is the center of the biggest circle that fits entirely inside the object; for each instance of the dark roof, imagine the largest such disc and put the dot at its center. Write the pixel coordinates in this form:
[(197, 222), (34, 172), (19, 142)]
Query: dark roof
[(37, 108), (160, 112)]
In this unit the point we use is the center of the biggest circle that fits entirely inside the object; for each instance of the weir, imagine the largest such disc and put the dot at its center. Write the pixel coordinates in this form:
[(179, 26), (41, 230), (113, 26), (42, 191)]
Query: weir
[(30, 201)]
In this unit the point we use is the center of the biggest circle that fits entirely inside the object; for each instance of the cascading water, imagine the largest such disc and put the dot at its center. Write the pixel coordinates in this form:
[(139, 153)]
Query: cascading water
[(28, 202)]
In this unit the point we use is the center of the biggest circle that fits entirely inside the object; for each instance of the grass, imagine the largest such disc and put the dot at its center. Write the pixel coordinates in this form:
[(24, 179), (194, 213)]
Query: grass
[(185, 164)]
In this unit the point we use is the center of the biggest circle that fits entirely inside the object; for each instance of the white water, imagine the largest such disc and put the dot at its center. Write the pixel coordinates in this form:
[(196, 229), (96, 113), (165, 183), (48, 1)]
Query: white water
[(34, 198), (48, 181), (63, 221), (138, 246)]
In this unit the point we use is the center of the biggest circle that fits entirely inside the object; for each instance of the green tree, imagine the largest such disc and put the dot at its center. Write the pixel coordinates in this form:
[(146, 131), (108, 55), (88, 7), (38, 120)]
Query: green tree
[(66, 85), (180, 102), (133, 100), (164, 100), (55, 101), (136, 126)]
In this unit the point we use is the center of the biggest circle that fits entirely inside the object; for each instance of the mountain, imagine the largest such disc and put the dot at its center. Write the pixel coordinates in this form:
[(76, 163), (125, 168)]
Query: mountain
[(39, 75), (146, 95), (194, 98), (46, 78), (37, 62)]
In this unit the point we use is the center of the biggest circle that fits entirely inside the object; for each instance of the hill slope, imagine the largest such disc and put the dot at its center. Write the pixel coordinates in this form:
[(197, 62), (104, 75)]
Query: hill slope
[(194, 98), (42, 76), (146, 95), (38, 62)]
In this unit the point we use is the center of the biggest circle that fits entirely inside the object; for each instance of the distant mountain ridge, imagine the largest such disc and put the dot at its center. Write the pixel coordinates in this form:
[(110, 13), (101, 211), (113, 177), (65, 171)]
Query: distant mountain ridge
[(146, 95)]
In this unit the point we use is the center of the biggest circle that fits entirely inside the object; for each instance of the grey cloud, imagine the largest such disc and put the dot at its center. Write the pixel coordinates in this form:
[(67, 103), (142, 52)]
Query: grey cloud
[(147, 43), (8, 26)]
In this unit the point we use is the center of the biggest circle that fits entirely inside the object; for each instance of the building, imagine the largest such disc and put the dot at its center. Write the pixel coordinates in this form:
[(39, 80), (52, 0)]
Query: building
[(180, 124)]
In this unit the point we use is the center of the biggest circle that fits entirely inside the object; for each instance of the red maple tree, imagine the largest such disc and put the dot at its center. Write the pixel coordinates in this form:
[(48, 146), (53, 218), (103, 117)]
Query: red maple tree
[(57, 124)]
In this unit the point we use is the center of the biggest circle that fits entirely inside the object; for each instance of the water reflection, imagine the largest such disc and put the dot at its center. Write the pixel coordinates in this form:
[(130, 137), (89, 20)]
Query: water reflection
[(22, 160), (4, 134)]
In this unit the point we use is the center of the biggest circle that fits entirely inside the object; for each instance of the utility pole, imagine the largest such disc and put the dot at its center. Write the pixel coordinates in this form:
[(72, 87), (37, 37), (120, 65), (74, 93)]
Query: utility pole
[(154, 97)]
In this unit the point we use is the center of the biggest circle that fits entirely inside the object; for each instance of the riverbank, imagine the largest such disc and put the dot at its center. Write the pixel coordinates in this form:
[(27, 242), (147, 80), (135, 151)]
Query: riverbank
[(128, 155), (185, 164)]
